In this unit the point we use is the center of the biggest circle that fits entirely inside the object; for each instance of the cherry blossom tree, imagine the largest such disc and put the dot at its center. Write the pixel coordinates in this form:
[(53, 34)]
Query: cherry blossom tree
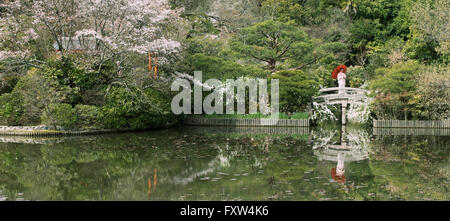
[(108, 30)]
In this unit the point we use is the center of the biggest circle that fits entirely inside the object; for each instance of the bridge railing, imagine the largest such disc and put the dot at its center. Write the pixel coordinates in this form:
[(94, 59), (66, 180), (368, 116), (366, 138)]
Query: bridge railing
[(342, 95), (347, 90)]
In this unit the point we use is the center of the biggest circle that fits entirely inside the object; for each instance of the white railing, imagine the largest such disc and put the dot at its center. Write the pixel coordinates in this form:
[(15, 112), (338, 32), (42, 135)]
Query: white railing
[(345, 94), (346, 89)]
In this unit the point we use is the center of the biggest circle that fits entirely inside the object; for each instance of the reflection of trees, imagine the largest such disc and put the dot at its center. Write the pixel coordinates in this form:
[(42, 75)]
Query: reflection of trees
[(119, 167), (253, 173), (78, 169), (113, 167), (412, 167), (398, 167), (190, 174)]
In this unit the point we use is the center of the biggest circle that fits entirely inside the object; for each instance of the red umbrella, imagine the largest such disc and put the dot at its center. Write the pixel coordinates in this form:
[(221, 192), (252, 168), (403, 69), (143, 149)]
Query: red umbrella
[(337, 70), (339, 179)]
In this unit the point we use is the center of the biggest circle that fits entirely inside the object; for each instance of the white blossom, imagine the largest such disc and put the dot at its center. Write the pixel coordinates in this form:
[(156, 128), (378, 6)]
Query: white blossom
[(117, 26), (13, 54)]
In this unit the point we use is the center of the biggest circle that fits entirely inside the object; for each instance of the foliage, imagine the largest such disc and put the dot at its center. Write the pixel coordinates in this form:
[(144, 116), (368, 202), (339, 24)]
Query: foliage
[(64, 76), (98, 44), (363, 33), (271, 42), (429, 28), (296, 90), (286, 10), (8, 83), (121, 105), (227, 16), (103, 51), (400, 78), (93, 24), (433, 93), (395, 90), (88, 116), (60, 115), (374, 23), (36, 95), (207, 44), (11, 109), (219, 68), (300, 115), (200, 24), (216, 60), (44, 96), (134, 108), (356, 76)]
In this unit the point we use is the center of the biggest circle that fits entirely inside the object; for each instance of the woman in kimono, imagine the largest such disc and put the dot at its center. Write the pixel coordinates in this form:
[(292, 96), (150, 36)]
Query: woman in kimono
[(341, 77)]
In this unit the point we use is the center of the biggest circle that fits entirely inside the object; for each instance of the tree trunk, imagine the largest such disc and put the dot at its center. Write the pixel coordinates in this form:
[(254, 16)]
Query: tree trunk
[(271, 64)]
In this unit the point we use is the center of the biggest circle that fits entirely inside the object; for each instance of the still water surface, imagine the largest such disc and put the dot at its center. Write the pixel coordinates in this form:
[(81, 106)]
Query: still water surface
[(195, 163)]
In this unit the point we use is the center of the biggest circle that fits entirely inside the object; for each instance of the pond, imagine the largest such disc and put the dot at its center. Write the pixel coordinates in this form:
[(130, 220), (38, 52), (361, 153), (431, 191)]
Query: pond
[(205, 163)]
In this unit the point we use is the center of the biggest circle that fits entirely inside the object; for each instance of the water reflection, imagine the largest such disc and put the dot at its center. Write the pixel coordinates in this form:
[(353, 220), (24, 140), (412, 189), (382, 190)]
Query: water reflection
[(340, 147), (412, 131), (205, 163), (150, 182)]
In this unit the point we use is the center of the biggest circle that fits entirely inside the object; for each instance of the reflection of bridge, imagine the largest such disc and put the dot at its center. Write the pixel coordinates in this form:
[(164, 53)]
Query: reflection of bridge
[(349, 155), (344, 97), (352, 145)]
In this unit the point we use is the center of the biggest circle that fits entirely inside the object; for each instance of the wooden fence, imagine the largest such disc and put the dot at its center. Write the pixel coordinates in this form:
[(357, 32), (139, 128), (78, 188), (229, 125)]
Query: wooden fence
[(412, 123), (411, 131), (247, 122)]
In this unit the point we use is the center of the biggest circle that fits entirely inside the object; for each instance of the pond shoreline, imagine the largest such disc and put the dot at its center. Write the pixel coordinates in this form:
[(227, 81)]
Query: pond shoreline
[(44, 131)]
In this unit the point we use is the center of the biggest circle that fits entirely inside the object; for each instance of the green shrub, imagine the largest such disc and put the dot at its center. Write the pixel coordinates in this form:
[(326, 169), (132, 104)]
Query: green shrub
[(113, 117), (395, 90), (356, 76), (296, 90), (88, 116), (220, 68), (300, 115), (11, 109), (36, 94), (64, 76), (433, 93), (8, 83), (59, 115), (136, 109), (121, 104)]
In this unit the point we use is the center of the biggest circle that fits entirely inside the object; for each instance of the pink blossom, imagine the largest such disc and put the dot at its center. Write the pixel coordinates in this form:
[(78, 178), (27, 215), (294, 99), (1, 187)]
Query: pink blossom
[(116, 25)]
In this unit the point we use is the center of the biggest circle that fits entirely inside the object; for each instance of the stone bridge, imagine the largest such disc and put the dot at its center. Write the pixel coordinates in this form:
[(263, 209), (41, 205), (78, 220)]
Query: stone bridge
[(343, 96)]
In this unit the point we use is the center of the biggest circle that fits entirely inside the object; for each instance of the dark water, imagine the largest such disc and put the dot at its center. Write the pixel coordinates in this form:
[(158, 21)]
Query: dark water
[(227, 164)]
